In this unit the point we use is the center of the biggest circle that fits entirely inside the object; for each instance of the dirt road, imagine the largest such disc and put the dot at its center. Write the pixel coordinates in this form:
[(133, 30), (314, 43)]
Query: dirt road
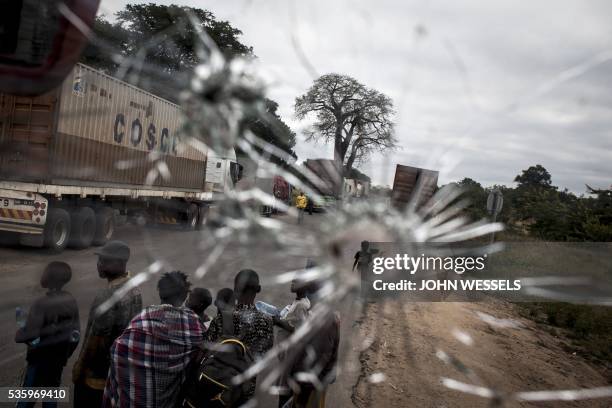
[(409, 343), (397, 341)]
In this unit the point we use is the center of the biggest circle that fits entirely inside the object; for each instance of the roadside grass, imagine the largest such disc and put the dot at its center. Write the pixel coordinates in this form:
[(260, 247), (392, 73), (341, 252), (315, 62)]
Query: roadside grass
[(587, 327)]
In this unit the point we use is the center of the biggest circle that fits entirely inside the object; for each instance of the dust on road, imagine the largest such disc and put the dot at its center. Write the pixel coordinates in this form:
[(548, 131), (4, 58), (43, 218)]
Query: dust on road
[(405, 338)]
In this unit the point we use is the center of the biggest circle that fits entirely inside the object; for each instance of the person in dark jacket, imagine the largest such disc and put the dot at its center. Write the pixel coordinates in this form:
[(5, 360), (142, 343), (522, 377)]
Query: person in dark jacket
[(51, 331), (108, 317), (309, 205), (312, 362)]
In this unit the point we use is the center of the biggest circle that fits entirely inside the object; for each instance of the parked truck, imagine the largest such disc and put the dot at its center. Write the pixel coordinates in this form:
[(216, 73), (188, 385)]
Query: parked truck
[(74, 159), (276, 185), (409, 180)]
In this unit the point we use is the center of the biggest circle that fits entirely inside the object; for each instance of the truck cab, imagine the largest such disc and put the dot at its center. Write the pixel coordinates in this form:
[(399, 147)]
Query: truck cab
[(222, 171)]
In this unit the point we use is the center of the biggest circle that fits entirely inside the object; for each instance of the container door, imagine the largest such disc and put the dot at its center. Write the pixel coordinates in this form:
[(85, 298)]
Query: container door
[(26, 129)]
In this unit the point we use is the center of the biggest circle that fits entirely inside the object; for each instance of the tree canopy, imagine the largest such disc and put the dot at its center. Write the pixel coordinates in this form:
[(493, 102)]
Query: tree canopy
[(357, 119), (534, 176), (537, 207), (161, 35), (274, 130), (166, 41)]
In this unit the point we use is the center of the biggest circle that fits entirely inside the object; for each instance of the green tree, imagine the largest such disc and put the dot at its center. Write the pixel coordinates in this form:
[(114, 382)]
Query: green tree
[(476, 195), (273, 130), (170, 41), (110, 42), (164, 38), (534, 176)]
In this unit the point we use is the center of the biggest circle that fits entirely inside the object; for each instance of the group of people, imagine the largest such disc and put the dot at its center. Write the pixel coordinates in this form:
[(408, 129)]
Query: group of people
[(142, 357)]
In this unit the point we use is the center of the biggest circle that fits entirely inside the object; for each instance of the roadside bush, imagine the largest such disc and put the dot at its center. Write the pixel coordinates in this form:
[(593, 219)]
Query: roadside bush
[(588, 326)]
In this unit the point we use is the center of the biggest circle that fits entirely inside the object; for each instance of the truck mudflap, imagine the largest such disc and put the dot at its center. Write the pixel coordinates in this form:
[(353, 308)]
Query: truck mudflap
[(22, 212)]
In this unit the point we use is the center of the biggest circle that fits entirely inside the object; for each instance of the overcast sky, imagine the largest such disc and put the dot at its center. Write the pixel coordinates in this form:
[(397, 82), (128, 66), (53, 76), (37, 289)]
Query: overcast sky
[(482, 89)]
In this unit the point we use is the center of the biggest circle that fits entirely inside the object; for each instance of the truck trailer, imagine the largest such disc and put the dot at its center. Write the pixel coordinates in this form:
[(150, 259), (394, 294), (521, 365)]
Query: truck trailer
[(74, 159), (409, 181)]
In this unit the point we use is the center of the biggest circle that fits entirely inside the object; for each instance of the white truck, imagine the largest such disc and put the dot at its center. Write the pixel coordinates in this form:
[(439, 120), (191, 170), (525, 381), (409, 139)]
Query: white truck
[(97, 147)]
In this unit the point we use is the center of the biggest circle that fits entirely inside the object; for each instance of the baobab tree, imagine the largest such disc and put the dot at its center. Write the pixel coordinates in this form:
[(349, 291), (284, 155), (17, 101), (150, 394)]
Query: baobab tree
[(357, 119)]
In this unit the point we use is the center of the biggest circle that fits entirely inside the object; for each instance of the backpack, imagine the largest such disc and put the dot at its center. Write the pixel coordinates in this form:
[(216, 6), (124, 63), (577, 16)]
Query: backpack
[(209, 384)]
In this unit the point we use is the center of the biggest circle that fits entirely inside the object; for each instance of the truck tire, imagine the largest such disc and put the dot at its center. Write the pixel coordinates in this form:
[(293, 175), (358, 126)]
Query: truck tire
[(83, 228), (105, 226), (57, 229), (193, 212), (202, 216)]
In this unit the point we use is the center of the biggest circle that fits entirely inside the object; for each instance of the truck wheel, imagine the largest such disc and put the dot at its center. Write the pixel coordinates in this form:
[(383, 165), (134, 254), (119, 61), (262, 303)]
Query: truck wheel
[(83, 221), (202, 216), (57, 229), (105, 226), (192, 216)]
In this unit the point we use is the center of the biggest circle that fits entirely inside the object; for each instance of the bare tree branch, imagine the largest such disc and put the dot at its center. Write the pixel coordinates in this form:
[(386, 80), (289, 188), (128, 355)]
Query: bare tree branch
[(356, 118)]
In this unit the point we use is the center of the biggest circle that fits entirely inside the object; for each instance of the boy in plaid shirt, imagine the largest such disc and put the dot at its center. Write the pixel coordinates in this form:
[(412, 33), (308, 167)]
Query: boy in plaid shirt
[(150, 359)]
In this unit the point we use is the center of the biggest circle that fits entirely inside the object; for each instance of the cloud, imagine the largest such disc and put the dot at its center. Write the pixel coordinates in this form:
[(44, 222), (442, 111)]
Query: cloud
[(465, 78)]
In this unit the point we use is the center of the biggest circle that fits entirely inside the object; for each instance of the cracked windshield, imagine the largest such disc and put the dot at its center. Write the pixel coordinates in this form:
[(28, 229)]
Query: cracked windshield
[(275, 203)]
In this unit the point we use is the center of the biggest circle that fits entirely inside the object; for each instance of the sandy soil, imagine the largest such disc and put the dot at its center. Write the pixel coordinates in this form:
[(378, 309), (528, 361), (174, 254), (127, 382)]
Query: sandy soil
[(403, 340)]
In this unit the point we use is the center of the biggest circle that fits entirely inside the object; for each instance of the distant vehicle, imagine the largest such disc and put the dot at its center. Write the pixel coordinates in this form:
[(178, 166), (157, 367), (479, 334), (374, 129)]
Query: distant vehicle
[(325, 204), (355, 188), (74, 158), (325, 170), (279, 188), (413, 183), (276, 185)]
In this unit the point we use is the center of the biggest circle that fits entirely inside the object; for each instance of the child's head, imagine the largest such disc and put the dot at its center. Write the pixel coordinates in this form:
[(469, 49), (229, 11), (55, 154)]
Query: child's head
[(246, 284), (299, 287), (365, 245), (56, 275), (225, 299), (173, 288), (199, 299)]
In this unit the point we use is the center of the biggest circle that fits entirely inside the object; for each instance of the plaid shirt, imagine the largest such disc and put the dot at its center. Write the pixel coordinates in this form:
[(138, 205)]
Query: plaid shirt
[(149, 360)]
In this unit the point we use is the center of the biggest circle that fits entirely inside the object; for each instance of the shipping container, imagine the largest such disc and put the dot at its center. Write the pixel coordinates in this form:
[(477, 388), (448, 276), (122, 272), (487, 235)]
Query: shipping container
[(73, 159), (96, 129), (413, 184)]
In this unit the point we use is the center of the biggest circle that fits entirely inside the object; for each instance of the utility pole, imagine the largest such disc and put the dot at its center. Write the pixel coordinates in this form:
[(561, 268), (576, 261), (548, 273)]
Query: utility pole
[(495, 201)]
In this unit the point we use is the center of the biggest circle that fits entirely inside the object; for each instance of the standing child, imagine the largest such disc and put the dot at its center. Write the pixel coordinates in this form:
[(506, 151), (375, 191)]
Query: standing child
[(51, 331), (254, 328), (289, 320), (312, 365), (363, 258), (199, 299)]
